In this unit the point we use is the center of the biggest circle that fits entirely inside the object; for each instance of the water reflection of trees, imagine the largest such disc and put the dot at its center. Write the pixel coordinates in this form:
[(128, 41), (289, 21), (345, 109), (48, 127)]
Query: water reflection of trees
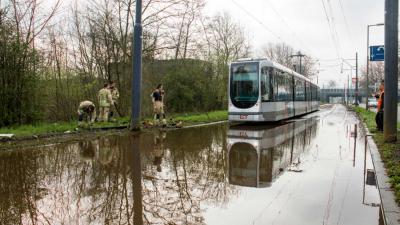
[(90, 182)]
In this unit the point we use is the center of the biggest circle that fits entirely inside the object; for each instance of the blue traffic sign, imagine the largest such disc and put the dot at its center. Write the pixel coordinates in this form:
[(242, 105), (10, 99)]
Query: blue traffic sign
[(377, 53)]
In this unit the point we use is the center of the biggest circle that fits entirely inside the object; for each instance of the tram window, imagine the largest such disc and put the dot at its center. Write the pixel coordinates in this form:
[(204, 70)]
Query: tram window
[(307, 91), (312, 93), (290, 86), (279, 84), (300, 90), (275, 84), (265, 94), (282, 86), (315, 93)]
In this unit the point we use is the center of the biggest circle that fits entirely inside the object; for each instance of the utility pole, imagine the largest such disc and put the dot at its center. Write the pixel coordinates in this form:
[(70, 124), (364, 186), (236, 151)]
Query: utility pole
[(356, 103), (137, 68), (348, 88), (391, 70), (300, 56)]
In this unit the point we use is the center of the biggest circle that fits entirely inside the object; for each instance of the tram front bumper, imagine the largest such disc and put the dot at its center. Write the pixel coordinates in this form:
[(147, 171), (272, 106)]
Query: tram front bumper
[(245, 117)]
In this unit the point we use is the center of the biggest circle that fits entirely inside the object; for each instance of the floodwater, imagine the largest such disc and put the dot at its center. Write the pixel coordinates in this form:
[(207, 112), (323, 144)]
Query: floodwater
[(302, 172)]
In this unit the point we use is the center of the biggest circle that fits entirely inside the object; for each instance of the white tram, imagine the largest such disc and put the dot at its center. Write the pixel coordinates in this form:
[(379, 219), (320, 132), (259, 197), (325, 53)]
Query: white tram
[(258, 155), (262, 90)]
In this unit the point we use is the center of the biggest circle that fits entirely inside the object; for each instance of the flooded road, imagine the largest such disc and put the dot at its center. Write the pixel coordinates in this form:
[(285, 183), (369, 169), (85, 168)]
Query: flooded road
[(305, 171)]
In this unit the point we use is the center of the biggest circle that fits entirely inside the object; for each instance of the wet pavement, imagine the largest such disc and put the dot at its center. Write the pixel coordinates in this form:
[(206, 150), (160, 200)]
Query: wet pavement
[(307, 171)]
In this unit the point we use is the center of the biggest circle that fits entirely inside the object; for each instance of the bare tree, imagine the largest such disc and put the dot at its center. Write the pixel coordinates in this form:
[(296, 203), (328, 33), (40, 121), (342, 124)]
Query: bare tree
[(280, 53), (181, 32), (225, 41), (283, 54), (332, 84), (376, 74)]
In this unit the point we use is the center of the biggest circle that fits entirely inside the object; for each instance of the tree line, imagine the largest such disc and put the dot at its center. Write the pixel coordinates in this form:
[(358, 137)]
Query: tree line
[(54, 56)]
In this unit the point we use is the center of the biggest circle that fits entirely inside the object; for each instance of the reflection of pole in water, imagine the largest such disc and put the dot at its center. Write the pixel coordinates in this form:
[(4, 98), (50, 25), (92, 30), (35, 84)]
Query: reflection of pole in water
[(355, 145), (292, 148), (365, 165), (137, 181)]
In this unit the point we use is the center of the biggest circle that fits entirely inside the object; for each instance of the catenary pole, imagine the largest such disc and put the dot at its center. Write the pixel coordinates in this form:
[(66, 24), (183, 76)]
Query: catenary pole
[(391, 70), (300, 56), (356, 101), (137, 68)]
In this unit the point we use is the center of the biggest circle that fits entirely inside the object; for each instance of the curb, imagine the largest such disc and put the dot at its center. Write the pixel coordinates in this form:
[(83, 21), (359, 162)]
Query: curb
[(389, 207), (205, 124)]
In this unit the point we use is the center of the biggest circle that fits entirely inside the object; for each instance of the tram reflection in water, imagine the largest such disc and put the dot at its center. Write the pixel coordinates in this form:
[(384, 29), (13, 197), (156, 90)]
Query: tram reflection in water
[(257, 155)]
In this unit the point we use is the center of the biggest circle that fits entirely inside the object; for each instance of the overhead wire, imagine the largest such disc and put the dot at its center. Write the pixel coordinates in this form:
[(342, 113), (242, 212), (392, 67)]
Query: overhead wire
[(287, 25), (334, 26), (331, 26), (346, 23), (330, 29), (257, 20)]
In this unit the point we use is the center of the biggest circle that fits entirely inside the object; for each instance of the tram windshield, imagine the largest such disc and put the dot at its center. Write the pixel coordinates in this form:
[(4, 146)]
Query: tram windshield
[(244, 84)]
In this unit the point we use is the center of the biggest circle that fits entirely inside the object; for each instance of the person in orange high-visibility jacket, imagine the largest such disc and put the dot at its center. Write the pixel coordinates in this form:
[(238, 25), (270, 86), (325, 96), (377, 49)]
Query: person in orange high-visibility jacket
[(381, 105)]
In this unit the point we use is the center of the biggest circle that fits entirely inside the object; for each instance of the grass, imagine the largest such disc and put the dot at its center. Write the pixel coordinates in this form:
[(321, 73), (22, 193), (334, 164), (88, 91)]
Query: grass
[(38, 129), (61, 127), (195, 118), (390, 152)]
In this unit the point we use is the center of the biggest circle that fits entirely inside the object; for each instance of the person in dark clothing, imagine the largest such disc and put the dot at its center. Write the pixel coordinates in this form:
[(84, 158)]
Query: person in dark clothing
[(381, 104), (158, 104)]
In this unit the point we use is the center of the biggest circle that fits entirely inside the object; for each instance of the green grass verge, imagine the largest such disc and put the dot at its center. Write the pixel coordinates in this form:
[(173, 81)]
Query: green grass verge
[(390, 152), (195, 118), (61, 127)]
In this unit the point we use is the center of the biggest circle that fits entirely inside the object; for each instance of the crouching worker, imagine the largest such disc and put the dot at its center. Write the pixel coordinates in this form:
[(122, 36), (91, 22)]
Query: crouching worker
[(87, 112)]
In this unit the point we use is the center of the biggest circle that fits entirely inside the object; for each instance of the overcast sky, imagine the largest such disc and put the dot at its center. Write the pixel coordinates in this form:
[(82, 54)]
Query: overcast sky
[(303, 24)]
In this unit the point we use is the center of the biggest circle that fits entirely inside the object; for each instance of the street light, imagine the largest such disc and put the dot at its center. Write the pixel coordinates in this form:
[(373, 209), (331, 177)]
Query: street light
[(367, 88)]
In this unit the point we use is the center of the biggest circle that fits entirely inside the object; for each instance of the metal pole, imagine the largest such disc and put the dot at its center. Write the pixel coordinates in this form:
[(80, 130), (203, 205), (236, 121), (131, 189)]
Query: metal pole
[(367, 88), (300, 62), (391, 76), (356, 103), (137, 68), (298, 55)]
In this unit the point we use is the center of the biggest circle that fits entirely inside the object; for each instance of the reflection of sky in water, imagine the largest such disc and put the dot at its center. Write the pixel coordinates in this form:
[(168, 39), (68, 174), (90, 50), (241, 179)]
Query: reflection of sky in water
[(186, 175)]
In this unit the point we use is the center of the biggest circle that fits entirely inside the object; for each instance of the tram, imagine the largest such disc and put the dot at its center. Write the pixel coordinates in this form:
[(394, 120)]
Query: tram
[(258, 155), (262, 90)]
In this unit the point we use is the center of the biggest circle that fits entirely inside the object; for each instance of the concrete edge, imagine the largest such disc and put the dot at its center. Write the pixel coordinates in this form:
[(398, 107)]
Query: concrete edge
[(389, 207), (204, 124)]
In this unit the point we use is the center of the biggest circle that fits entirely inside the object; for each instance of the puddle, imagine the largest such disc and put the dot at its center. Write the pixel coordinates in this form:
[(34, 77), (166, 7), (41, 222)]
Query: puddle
[(306, 171)]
